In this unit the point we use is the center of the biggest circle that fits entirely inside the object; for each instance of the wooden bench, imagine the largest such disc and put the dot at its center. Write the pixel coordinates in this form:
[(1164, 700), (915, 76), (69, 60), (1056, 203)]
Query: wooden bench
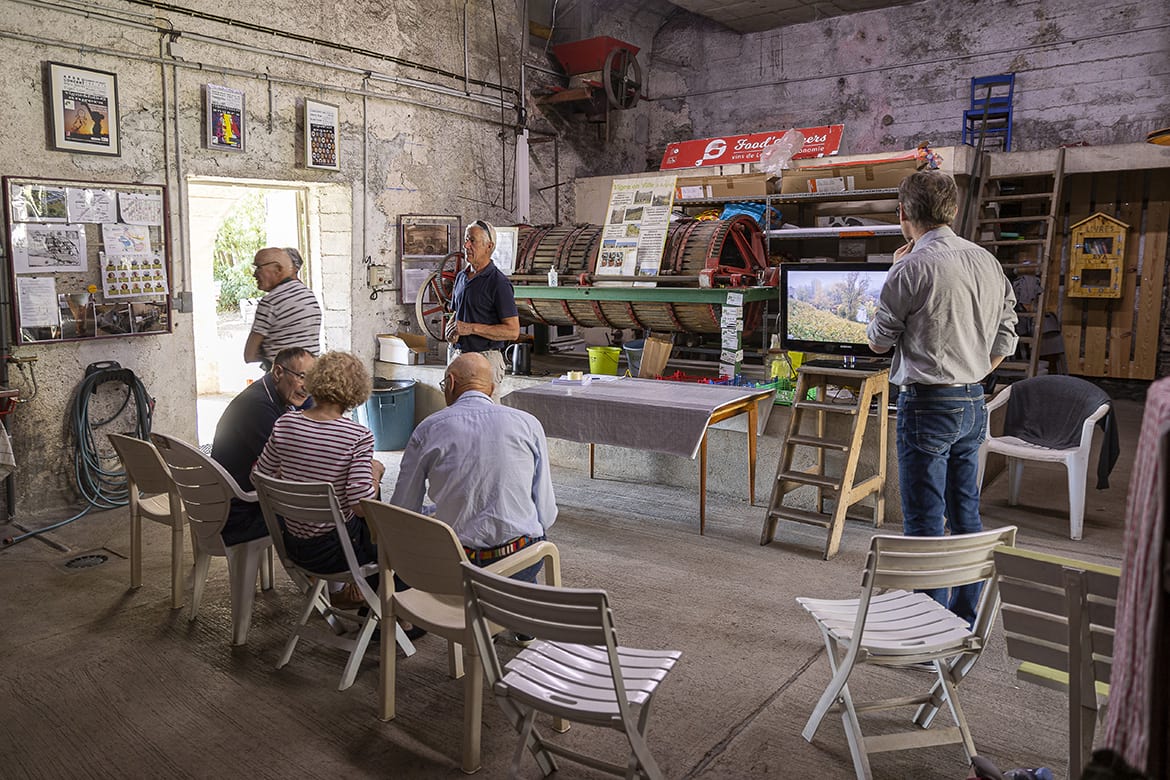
[(1058, 618)]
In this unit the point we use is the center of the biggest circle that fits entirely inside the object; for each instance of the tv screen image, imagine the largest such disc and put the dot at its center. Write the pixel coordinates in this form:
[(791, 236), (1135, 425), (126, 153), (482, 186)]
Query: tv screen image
[(826, 306)]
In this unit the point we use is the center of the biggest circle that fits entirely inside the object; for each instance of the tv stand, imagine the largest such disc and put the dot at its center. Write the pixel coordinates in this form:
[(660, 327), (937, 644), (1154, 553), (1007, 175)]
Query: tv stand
[(845, 489)]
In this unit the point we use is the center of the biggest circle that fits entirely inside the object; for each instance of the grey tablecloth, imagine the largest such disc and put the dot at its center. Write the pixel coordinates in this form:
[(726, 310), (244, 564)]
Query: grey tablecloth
[(645, 414)]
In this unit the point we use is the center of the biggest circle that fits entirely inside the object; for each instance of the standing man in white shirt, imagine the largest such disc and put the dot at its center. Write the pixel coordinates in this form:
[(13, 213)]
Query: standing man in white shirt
[(485, 467), (288, 315)]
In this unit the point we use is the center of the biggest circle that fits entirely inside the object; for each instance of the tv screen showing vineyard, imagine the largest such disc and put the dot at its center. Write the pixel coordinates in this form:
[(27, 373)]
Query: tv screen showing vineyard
[(826, 306)]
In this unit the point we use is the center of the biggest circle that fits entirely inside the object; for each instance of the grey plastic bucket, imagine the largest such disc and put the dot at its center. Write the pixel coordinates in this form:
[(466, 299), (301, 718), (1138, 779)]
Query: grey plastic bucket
[(389, 413), (633, 350)]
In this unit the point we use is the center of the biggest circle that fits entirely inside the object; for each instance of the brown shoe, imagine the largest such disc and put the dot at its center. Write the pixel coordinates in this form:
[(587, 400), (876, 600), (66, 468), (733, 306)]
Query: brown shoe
[(349, 597)]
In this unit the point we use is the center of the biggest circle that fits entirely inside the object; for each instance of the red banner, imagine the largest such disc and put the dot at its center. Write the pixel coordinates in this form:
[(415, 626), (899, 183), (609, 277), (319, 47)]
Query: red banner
[(822, 141)]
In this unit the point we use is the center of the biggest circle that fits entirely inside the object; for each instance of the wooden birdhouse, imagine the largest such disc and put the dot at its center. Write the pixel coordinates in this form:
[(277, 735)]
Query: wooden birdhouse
[(1095, 262)]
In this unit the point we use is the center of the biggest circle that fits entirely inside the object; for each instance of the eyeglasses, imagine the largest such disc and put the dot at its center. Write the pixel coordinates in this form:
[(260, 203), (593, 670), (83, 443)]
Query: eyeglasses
[(444, 383), (258, 266), (485, 227), (298, 374)]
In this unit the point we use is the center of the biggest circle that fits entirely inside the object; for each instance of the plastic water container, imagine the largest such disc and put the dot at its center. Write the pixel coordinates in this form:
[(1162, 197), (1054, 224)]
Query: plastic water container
[(604, 360), (633, 350), (389, 413)]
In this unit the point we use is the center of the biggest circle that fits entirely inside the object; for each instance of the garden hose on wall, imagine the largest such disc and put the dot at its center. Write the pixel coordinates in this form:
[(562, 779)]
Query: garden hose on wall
[(100, 477)]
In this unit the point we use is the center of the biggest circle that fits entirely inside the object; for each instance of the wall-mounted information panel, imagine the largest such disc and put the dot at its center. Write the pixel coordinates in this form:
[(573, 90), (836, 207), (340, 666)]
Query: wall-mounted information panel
[(87, 259)]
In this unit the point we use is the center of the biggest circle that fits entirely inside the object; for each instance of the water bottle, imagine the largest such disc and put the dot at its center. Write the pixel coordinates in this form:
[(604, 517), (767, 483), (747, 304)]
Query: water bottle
[(552, 277)]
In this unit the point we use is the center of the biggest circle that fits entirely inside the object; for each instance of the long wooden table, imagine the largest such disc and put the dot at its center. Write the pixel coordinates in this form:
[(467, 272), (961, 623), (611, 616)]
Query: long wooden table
[(667, 417)]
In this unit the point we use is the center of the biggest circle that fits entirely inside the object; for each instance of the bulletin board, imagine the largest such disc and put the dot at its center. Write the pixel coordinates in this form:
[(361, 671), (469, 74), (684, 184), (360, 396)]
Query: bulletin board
[(86, 259)]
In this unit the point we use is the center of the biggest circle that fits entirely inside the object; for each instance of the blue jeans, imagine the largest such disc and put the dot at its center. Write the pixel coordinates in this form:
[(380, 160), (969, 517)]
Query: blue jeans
[(939, 433)]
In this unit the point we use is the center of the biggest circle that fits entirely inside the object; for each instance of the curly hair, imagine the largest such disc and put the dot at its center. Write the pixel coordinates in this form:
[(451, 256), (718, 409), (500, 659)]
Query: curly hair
[(339, 378)]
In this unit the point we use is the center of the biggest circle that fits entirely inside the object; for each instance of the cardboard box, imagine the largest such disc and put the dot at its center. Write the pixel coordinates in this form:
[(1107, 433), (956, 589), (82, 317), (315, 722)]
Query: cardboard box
[(749, 185), (842, 177), (405, 349)]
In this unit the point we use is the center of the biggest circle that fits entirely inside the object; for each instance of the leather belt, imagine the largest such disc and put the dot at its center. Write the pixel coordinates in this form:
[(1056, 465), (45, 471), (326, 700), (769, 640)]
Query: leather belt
[(905, 388)]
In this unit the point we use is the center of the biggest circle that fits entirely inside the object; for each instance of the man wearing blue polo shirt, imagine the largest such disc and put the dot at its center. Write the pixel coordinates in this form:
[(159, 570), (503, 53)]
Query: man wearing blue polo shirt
[(485, 319)]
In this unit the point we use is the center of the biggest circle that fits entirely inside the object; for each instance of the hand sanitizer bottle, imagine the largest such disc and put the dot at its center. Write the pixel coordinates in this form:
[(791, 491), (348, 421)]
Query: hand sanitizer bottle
[(552, 277)]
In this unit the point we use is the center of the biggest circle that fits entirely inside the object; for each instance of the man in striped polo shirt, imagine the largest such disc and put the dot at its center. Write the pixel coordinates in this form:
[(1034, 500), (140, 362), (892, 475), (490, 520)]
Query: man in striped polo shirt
[(288, 315)]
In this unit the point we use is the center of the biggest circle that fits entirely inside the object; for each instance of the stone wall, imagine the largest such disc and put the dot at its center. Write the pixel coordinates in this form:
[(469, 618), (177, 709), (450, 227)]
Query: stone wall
[(1085, 72)]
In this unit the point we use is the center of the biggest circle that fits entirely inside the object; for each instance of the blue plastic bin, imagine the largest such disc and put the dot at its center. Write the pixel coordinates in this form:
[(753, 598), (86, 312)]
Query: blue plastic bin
[(389, 413)]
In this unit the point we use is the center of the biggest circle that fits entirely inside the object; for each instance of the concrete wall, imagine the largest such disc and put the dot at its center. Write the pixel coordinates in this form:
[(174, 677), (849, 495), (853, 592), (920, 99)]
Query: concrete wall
[(1085, 72), (405, 149)]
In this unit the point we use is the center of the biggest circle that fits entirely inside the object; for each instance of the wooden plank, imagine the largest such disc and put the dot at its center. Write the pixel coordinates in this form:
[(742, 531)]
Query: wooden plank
[(1054, 280), (1121, 328), (1149, 300), (1097, 310), (1079, 190)]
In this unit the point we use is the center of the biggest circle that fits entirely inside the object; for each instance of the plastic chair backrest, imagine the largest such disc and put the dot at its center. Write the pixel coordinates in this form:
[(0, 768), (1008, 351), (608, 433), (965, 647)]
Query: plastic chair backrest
[(205, 487), (308, 502), (143, 463), (422, 551), (569, 615)]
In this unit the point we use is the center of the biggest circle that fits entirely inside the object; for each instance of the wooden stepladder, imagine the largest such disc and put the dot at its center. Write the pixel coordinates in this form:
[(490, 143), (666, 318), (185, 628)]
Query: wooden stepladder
[(860, 389)]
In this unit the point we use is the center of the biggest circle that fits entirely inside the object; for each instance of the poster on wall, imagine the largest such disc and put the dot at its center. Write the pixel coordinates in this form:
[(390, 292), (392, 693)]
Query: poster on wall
[(322, 135), (504, 255), (141, 208), (37, 203), (634, 233), (223, 118), (118, 239), (131, 275), (823, 141), (48, 249), (83, 106), (84, 204)]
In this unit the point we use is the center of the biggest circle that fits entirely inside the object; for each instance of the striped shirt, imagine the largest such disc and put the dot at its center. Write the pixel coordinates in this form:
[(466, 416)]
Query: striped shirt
[(336, 451), (288, 316)]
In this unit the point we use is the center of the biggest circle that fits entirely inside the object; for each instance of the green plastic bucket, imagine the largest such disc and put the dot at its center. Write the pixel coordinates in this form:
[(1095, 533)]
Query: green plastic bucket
[(604, 360)]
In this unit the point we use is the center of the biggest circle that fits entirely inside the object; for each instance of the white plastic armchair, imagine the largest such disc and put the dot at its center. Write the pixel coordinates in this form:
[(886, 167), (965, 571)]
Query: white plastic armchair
[(1075, 460), (207, 491)]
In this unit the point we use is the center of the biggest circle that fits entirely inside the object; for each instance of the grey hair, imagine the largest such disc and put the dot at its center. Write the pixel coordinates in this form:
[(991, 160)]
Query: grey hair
[(295, 257), (929, 198)]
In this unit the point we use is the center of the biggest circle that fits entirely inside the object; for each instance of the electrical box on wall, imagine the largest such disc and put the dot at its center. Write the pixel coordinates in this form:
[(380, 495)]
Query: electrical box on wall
[(379, 276), (1096, 258)]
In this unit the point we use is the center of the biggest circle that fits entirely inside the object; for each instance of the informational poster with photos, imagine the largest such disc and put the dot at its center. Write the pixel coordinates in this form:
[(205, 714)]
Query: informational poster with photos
[(131, 275), (38, 203), (223, 117), (635, 230), (48, 249), (322, 135), (83, 106)]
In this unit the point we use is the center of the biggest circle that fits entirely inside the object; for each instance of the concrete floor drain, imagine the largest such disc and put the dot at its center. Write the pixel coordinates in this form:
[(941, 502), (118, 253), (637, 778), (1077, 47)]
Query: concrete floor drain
[(86, 561)]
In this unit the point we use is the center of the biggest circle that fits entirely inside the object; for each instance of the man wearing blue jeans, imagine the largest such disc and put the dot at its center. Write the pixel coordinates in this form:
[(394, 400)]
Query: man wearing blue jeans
[(948, 312)]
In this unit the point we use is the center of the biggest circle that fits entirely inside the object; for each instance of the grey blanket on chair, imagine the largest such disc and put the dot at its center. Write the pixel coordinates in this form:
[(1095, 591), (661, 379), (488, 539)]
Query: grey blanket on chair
[(1051, 410)]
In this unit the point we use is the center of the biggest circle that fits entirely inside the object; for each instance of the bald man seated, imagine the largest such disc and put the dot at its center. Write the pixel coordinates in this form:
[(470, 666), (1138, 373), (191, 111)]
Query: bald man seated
[(484, 466)]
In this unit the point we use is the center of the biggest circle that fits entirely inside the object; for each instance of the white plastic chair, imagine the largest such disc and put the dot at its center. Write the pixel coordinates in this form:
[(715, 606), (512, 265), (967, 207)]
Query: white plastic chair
[(1075, 460), (891, 625), (426, 554), (315, 502), (147, 474), (580, 673), (207, 490)]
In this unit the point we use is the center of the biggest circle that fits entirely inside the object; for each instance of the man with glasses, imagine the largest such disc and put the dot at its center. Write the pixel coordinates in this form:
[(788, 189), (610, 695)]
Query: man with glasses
[(948, 312), (288, 315), (245, 426), (485, 318)]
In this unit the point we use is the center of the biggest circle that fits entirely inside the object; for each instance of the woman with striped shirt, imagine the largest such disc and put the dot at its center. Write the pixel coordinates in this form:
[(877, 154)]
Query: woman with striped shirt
[(322, 445)]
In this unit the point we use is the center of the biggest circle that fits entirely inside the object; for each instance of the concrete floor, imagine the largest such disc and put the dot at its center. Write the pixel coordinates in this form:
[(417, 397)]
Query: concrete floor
[(101, 681)]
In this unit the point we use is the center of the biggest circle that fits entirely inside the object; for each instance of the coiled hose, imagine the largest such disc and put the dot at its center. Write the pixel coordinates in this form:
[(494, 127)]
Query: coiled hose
[(102, 487)]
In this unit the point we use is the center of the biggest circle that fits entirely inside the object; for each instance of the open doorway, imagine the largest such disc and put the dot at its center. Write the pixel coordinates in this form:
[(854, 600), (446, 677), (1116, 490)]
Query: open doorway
[(230, 221)]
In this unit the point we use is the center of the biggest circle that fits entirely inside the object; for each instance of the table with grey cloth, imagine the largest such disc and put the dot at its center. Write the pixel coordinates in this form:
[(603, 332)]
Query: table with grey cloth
[(646, 414)]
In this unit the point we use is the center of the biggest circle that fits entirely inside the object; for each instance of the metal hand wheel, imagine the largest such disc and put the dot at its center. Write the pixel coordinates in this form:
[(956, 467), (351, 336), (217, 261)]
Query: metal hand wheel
[(433, 302)]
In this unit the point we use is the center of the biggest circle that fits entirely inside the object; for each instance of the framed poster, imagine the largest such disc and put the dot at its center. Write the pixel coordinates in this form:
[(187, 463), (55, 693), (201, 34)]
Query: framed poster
[(424, 240), (83, 110), (322, 135), (223, 118)]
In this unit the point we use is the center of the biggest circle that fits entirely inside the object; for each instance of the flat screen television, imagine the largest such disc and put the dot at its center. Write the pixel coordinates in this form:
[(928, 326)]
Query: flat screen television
[(824, 307)]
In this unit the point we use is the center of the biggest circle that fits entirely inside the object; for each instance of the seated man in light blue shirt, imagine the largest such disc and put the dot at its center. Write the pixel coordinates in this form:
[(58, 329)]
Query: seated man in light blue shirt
[(484, 466)]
